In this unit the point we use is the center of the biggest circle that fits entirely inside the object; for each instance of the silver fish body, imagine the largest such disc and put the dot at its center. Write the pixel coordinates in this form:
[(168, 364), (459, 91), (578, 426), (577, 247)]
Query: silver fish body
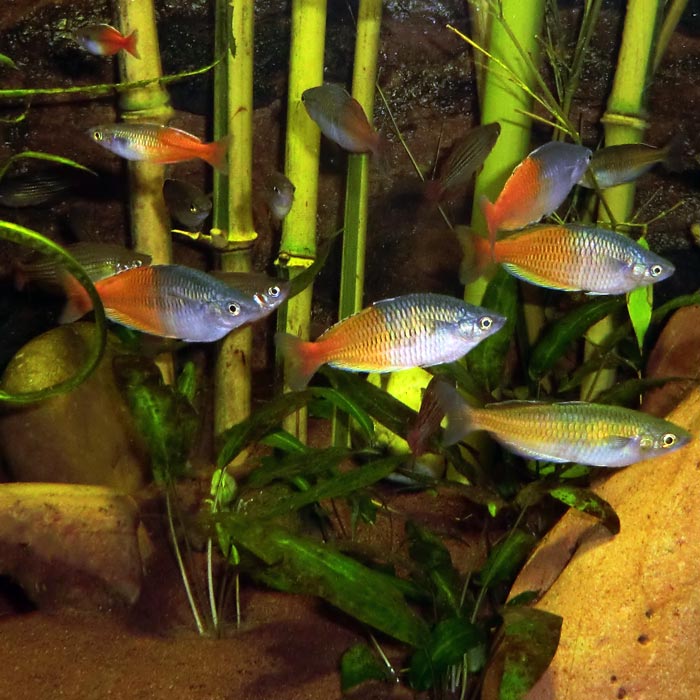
[(186, 203), (279, 195)]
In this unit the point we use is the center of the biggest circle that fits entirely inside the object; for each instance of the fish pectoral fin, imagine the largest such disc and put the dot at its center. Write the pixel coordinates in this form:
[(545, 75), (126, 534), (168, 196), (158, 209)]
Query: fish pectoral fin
[(617, 442)]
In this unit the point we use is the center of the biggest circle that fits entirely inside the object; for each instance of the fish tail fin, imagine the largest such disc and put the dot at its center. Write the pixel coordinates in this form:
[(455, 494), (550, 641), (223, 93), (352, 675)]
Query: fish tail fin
[(130, 44), (675, 150), (301, 361), (79, 302), (217, 155), (380, 154), (488, 209), (476, 254), (457, 410)]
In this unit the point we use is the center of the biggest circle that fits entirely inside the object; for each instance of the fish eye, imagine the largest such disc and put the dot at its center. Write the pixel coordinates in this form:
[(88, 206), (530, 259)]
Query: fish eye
[(97, 135), (274, 292), (234, 309), (485, 322), (668, 440), (655, 270)]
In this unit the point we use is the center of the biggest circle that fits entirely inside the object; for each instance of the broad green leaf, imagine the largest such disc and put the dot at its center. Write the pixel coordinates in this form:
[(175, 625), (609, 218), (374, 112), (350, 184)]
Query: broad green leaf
[(487, 360), (358, 664), (559, 335), (528, 643), (435, 565), (589, 502), (223, 489), (7, 61), (282, 440), (187, 381), (39, 155), (639, 305), (294, 563), (506, 557), (449, 642), (335, 487), (165, 418), (310, 462)]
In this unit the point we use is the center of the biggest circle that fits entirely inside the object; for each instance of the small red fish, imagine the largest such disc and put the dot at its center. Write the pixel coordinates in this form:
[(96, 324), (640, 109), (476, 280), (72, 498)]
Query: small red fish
[(105, 40), (537, 187), (159, 144)]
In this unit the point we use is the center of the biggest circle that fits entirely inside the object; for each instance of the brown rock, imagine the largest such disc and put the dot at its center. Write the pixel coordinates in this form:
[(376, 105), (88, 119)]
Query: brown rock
[(70, 545), (84, 437), (630, 603)]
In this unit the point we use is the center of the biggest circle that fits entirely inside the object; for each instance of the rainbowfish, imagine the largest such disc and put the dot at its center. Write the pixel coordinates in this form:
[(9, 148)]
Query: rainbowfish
[(537, 187), (599, 435), (105, 40), (171, 301), (159, 144), (37, 188), (341, 118), (100, 260), (467, 156), (570, 258), (279, 195), (615, 165), (186, 203), (415, 330)]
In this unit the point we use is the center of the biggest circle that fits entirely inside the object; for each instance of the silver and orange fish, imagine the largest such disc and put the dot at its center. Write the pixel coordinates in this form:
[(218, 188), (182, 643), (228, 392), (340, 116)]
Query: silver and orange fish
[(415, 330), (105, 40), (598, 435), (537, 187), (615, 165), (170, 301), (100, 260), (159, 144), (569, 258), (466, 157), (341, 118)]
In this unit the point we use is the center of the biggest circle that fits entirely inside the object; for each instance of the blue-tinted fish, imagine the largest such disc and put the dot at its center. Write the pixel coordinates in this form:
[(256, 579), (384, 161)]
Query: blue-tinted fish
[(599, 435), (341, 118), (537, 187), (415, 330), (170, 301), (100, 260), (186, 203)]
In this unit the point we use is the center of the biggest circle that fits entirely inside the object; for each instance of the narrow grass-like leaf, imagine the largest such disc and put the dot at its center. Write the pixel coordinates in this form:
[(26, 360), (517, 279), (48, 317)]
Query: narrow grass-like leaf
[(506, 557), (449, 642), (435, 565), (359, 664), (294, 563), (304, 279), (40, 155), (336, 487), (559, 335), (310, 462), (487, 360), (351, 408), (589, 502), (529, 641)]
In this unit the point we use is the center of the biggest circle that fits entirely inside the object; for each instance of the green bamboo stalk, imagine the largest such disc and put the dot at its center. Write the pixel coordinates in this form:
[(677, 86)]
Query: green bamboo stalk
[(232, 392), (150, 224), (673, 16), (352, 276), (298, 245), (505, 102), (625, 122)]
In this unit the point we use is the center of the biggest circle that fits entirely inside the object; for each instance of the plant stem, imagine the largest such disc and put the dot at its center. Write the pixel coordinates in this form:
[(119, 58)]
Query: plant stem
[(298, 245), (624, 122), (669, 25), (232, 377), (352, 276)]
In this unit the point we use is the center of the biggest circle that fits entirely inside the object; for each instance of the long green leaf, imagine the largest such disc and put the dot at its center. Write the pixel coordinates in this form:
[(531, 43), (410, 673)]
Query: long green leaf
[(351, 408), (487, 360), (336, 487), (589, 502), (32, 239), (298, 564), (505, 558), (559, 335), (529, 642), (310, 462), (449, 642), (629, 391), (40, 155), (299, 283)]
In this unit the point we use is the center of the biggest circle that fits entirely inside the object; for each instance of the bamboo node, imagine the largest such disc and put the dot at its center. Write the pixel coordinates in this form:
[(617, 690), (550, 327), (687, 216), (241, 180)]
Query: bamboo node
[(285, 260), (631, 121)]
